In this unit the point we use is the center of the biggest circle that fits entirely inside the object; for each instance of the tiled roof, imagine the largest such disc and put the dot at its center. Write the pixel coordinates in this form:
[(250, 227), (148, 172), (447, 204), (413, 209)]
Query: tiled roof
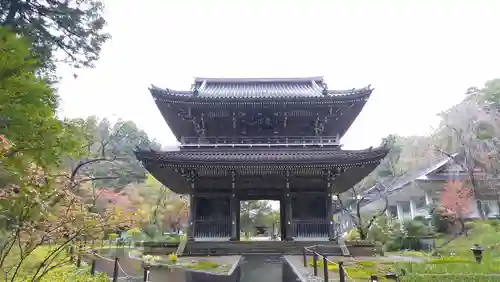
[(371, 195), (317, 79), (255, 157), (258, 88)]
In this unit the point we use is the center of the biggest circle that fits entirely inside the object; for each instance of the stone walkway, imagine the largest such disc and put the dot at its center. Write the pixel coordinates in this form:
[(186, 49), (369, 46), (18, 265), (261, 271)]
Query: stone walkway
[(307, 273)]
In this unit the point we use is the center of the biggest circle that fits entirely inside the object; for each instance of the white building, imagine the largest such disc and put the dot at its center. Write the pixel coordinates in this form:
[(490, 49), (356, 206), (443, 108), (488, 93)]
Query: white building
[(412, 196)]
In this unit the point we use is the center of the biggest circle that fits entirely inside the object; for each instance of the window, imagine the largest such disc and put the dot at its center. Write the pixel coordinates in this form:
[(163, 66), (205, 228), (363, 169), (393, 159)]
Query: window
[(419, 202)]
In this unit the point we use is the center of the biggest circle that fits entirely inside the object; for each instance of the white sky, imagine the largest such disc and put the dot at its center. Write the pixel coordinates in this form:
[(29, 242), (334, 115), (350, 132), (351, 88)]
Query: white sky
[(420, 56)]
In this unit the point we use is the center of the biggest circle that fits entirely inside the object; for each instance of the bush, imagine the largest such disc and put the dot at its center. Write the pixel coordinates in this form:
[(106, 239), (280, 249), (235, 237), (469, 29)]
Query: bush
[(353, 235), (381, 230), (172, 257), (440, 222), (408, 236), (151, 230)]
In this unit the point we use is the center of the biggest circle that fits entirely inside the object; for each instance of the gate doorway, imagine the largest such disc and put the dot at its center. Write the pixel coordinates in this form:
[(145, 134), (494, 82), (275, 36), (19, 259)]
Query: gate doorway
[(260, 220)]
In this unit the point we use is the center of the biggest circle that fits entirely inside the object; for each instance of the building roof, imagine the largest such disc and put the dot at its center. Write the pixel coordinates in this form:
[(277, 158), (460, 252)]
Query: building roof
[(173, 168), (259, 88), (372, 194), (265, 156)]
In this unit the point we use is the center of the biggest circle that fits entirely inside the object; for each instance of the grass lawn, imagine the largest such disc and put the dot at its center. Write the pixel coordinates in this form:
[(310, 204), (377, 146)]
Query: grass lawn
[(207, 266), (71, 273), (457, 262), (172, 261), (65, 272), (359, 270)]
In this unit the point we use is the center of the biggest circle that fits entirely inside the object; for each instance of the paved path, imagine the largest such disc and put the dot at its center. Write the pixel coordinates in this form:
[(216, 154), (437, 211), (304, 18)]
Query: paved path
[(307, 273)]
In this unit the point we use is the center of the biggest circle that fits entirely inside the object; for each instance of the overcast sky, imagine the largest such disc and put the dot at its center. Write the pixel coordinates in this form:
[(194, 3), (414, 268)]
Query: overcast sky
[(419, 57)]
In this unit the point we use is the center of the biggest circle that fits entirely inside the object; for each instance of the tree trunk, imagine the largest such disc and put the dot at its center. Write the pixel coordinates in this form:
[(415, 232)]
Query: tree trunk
[(462, 226), (475, 188), (362, 233), (493, 186)]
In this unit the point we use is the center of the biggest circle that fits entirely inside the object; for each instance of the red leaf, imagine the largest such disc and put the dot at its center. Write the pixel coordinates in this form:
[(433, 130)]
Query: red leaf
[(456, 199)]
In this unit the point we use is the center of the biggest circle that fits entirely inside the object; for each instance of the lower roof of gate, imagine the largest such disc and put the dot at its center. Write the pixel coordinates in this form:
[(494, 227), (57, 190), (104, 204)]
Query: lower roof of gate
[(263, 183), (184, 170)]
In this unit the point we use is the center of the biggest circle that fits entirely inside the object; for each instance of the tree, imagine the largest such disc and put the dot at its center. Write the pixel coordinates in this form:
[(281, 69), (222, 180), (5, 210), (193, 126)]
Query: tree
[(40, 208), (117, 142), (471, 130), (252, 210), (356, 200), (60, 30), (456, 200), (28, 110)]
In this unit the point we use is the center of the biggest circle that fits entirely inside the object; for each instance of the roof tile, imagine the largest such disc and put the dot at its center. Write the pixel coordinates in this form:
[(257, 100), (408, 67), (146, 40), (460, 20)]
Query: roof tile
[(263, 156), (255, 88)]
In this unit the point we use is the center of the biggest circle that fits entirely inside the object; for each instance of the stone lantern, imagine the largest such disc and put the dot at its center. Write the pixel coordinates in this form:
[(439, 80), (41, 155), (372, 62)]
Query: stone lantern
[(477, 251)]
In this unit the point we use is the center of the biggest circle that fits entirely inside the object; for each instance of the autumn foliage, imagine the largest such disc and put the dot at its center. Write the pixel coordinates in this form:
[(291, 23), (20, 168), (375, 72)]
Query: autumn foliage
[(456, 200)]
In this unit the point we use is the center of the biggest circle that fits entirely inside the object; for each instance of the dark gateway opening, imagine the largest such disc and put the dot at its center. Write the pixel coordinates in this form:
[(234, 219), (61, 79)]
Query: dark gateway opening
[(260, 220)]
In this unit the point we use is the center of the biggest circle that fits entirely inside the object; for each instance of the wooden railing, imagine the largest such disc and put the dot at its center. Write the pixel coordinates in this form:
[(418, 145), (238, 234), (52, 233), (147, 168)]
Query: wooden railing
[(310, 228), (259, 141), (307, 251), (212, 229), (321, 262), (212, 218)]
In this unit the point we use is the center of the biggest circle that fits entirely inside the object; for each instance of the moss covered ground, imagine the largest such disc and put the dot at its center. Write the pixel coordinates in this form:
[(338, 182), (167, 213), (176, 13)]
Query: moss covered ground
[(453, 262)]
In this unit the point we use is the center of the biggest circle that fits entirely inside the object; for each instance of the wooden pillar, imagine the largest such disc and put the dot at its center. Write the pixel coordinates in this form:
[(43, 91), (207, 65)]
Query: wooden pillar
[(192, 215), (238, 217), (233, 203), (288, 209), (282, 219), (329, 207), (329, 217)]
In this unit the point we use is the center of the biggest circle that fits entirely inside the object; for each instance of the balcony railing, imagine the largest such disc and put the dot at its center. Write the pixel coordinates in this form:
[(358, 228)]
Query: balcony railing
[(212, 229), (310, 228), (260, 141)]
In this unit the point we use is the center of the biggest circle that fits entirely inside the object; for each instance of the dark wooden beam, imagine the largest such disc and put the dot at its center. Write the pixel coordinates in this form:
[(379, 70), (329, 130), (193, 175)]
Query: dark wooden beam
[(212, 194), (234, 205), (308, 193)]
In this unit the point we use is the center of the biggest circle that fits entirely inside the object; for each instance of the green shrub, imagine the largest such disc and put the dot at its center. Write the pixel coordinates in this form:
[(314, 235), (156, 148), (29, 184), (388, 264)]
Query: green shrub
[(408, 237), (353, 235), (421, 219), (381, 230), (440, 222)]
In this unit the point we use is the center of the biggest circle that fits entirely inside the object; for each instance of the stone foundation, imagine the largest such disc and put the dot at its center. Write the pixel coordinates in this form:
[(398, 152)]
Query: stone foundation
[(363, 249)]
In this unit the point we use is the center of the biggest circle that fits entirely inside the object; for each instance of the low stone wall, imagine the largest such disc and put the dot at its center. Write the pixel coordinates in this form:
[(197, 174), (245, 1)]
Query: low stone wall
[(176, 273), (363, 249), (159, 248)]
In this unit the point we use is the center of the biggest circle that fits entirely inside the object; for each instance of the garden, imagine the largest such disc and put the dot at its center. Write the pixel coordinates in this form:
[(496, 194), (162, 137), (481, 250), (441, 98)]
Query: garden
[(452, 259)]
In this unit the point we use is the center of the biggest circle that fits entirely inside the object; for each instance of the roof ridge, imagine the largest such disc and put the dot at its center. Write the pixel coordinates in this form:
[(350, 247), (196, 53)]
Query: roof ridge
[(258, 79)]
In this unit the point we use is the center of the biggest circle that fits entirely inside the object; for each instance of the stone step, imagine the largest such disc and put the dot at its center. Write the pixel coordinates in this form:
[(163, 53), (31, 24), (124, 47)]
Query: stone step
[(242, 248)]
